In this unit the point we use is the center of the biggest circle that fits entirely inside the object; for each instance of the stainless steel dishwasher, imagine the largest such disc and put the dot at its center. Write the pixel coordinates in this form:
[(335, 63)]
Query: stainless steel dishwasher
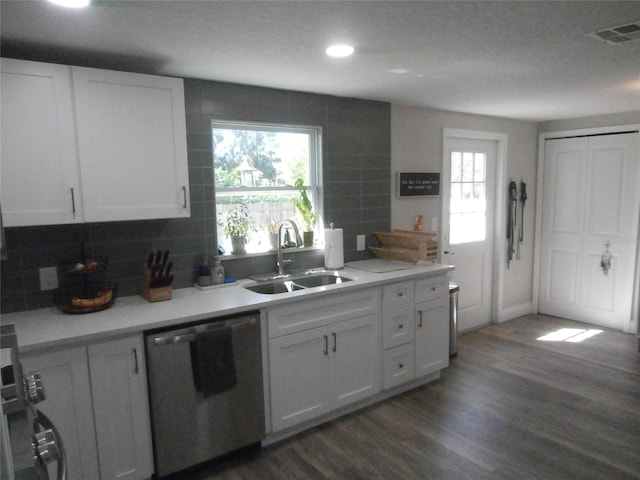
[(205, 390)]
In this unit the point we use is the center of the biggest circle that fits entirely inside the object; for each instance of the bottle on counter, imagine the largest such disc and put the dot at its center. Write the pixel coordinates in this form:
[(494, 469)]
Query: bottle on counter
[(218, 272)]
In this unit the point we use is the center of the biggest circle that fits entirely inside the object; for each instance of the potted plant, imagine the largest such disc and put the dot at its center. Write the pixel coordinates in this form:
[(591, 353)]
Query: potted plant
[(305, 209), (236, 224), (272, 230)]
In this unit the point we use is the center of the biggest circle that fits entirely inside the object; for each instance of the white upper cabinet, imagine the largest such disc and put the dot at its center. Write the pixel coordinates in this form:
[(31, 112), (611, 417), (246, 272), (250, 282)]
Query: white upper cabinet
[(90, 145), (40, 178), (132, 145)]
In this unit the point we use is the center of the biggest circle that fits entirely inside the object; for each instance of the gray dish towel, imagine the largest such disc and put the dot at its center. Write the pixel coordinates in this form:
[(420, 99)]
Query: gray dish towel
[(212, 361)]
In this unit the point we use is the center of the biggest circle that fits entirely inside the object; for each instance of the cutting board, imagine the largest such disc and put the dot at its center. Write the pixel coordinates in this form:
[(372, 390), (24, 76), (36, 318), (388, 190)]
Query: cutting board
[(379, 265)]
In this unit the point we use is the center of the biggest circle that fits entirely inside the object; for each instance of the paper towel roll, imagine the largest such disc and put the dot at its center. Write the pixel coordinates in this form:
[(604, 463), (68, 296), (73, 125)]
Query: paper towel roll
[(333, 249)]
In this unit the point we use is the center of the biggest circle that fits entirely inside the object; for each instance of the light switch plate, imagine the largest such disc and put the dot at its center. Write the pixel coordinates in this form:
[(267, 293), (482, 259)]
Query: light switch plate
[(48, 278), (360, 243)]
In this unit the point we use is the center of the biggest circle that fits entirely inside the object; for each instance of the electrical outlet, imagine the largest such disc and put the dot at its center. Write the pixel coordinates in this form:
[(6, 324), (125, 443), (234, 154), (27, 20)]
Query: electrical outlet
[(48, 278), (360, 243)]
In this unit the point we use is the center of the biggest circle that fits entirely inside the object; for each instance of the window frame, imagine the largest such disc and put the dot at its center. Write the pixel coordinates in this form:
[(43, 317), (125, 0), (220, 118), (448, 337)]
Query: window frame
[(314, 187)]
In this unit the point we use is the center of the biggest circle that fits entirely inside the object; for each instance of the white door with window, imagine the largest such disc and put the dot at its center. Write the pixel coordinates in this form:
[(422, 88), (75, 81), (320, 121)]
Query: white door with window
[(469, 198), (589, 231)]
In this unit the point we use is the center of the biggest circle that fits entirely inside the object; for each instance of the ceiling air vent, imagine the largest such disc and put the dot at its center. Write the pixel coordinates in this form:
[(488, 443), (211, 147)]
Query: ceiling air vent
[(620, 34)]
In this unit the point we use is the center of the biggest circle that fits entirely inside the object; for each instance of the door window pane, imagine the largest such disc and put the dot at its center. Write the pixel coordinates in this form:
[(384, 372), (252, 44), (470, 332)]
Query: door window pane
[(468, 204)]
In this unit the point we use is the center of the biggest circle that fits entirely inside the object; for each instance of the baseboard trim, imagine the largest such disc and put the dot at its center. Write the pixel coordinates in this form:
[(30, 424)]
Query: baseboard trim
[(516, 311)]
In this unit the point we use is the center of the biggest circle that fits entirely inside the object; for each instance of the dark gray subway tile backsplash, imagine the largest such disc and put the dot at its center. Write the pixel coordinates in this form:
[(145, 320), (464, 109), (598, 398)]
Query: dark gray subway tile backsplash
[(356, 172)]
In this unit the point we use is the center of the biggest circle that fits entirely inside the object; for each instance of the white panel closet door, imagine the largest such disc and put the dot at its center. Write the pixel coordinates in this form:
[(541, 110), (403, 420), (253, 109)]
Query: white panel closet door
[(590, 198)]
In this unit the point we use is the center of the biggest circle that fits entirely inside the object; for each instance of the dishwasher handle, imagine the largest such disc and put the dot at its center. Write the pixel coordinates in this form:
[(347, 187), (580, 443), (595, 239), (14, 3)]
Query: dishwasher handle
[(190, 337)]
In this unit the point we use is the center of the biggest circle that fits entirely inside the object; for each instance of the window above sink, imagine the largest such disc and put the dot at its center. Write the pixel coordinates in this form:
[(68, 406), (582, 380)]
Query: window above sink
[(256, 166)]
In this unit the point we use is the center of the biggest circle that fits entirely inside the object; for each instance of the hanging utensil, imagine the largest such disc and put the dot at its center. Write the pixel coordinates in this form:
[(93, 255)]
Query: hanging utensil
[(523, 199), (511, 220)]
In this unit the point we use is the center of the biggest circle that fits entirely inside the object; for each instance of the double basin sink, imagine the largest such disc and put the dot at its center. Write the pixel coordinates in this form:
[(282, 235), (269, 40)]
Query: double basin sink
[(292, 283)]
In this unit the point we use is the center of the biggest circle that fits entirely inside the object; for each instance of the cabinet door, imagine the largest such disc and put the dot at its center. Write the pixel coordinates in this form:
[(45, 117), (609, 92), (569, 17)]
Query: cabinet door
[(299, 370), (65, 377), (121, 409), (355, 359), (132, 145), (40, 179), (432, 336)]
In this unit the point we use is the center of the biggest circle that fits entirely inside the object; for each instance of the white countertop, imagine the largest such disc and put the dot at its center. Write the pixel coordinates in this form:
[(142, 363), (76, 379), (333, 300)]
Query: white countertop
[(49, 327)]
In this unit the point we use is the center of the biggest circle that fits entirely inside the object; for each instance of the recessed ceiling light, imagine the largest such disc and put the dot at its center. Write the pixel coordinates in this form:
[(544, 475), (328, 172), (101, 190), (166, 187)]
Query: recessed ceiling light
[(338, 51), (71, 3)]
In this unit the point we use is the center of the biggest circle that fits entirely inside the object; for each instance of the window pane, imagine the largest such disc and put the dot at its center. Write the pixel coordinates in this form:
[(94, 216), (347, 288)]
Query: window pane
[(478, 191), (257, 166), (467, 222), (479, 167), (456, 166), (467, 167), (467, 227), (467, 191)]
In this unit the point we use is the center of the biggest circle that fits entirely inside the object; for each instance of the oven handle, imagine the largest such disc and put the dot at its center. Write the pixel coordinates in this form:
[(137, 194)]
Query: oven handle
[(190, 337), (41, 420)]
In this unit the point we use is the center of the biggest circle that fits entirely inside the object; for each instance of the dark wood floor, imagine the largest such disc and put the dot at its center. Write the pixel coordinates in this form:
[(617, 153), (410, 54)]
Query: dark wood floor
[(508, 407)]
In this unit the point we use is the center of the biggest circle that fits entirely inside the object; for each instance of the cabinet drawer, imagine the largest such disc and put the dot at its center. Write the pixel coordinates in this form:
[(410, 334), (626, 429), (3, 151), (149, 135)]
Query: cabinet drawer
[(397, 294), (397, 365), (303, 315), (398, 325), (431, 288)]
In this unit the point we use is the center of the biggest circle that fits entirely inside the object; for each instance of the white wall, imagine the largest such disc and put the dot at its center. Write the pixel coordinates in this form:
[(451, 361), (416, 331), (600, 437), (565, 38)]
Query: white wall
[(416, 145)]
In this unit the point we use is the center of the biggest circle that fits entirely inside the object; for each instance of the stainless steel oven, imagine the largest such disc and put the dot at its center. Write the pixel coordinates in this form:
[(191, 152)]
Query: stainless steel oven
[(205, 390), (30, 441)]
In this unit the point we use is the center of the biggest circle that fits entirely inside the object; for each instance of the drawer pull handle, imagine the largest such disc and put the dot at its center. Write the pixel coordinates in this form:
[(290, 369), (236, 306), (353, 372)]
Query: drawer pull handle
[(184, 196), (420, 318), (135, 361), (73, 201)]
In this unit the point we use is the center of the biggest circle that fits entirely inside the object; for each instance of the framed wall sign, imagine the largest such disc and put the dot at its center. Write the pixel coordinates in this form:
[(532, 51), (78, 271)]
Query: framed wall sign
[(418, 184)]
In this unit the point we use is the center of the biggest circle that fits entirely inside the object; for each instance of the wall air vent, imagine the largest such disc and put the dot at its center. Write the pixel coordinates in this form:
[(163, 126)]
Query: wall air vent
[(617, 35)]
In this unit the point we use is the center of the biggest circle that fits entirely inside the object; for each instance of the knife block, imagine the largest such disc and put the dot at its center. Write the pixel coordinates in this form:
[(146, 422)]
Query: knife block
[(153, 294)]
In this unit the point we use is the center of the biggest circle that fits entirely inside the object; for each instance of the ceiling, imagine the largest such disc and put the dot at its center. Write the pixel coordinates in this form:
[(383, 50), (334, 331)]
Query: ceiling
[(529, 60)]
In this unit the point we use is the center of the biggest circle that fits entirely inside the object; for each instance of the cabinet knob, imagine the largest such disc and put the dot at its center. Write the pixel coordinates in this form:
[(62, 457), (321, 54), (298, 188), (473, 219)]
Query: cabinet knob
[(400, 326), (46, 447), (400, 294), (433, 289), (400, 365), (33, 388)]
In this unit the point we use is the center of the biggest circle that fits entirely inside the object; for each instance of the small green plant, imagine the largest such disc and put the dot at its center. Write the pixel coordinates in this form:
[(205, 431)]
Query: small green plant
[(236, 222), (304, 207)]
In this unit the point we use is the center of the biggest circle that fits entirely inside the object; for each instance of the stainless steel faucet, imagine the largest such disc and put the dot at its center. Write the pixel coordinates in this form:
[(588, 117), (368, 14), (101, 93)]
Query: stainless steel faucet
[(282, 263)]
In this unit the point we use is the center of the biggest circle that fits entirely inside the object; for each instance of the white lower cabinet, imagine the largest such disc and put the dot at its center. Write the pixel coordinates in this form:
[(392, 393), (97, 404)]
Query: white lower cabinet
[(432, 336), (415, 329), (96, 396), (318, 370)]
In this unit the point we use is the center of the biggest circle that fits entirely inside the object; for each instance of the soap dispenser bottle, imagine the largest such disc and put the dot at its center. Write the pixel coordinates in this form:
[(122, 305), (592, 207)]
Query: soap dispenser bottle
[(218, 272)]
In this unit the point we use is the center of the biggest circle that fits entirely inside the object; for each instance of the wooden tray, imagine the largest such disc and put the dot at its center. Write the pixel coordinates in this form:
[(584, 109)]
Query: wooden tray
[(405, 245)]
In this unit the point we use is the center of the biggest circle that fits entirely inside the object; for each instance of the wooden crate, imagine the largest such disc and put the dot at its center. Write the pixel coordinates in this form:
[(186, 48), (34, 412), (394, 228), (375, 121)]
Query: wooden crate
[(406, 245)]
